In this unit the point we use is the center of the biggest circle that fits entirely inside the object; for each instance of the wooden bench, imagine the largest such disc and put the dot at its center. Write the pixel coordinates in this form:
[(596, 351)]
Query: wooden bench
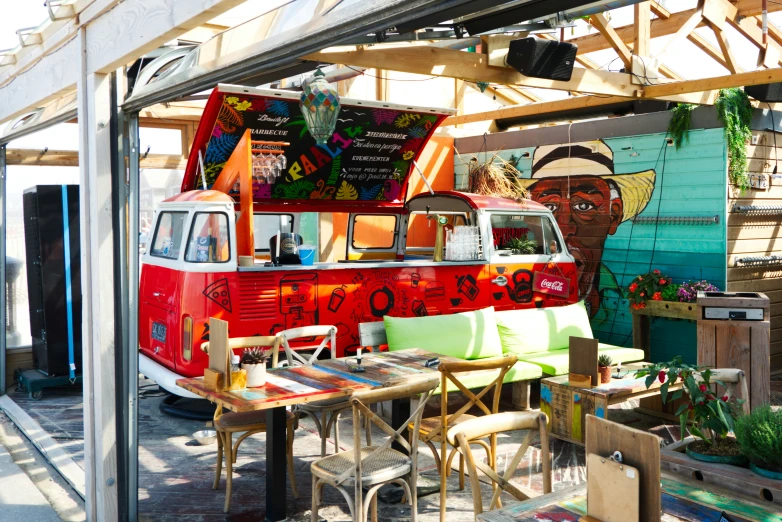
[(373, 336)]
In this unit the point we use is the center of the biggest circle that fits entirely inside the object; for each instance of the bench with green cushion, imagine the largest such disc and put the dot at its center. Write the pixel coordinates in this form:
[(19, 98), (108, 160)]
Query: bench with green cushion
[(541, 336), (468, 335)]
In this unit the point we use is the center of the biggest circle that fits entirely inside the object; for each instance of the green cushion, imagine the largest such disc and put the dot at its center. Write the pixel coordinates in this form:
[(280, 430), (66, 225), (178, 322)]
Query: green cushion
[(467, 335), (536, 330), (521, 371), (557, 362)]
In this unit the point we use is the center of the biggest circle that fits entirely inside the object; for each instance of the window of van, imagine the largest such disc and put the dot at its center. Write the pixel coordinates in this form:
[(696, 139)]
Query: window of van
[(167, 241), (209, 240), (266, 227), (421, 230), (513, 231), (374, 231)]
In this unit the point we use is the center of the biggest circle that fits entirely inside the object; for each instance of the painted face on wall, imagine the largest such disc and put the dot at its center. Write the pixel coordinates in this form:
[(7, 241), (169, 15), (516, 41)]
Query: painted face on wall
[(587, 210)]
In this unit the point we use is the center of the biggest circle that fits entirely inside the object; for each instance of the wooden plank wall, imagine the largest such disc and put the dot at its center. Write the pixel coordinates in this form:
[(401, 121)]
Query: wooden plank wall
[(760, 235)]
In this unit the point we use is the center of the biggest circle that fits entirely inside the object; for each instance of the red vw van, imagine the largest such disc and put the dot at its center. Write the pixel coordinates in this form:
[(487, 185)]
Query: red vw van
[(231, 251)]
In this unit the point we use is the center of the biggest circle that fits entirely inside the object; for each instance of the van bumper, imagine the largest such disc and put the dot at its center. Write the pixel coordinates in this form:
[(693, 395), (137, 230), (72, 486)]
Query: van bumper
[(164, 377)]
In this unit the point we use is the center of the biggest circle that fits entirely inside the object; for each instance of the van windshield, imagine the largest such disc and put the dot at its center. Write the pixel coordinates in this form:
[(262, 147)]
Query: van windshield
[(168, 235)]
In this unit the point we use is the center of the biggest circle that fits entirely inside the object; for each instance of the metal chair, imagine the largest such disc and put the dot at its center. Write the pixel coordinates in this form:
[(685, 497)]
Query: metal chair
[(247, 423), (374, 466), (462, 435), (433, 429), (328, 410)]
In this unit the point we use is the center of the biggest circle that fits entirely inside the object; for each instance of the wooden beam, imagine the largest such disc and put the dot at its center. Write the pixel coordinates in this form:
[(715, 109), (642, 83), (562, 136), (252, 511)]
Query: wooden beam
[(601, 23), (750, 30), (70, 158), (381, 85), (722, 39), (714, 53), (642, 29), (515, 111), (686, 28), (715, 83), (753, 7)]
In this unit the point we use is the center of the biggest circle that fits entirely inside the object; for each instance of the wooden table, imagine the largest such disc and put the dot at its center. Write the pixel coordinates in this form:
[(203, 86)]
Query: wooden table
[(567, 406), (327, 379), (682, 500)]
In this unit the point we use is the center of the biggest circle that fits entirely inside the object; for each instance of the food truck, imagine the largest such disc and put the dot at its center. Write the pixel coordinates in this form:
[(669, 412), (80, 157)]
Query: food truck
[(229, 245)]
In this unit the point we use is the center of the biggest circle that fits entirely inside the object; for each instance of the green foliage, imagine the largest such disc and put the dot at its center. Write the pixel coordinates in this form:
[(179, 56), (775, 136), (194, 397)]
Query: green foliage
[(669, 293), (522, 245), (759, 435), (735, 111), (255, 355), (604, 360), (679, 125), (712, 416), (647, 286)]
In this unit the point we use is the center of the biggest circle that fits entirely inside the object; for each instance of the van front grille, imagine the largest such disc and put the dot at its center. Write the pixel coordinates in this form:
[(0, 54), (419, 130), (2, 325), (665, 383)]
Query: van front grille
[(258, 297)]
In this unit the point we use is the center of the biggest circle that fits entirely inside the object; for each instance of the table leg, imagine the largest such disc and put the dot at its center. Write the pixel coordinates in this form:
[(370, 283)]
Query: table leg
[(642, 335), (400, 412), (276, 480)]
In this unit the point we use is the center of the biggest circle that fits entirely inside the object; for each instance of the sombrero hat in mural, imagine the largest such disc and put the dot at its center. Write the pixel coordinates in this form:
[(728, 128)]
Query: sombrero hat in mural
[(593, 158)]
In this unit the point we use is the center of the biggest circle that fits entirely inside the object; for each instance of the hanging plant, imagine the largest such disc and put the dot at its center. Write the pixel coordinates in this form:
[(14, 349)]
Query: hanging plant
[(735, 111), (679, 125)]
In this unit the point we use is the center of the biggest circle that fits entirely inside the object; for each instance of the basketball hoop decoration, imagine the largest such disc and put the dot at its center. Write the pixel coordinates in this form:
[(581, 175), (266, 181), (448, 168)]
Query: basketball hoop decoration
[(320, 106)]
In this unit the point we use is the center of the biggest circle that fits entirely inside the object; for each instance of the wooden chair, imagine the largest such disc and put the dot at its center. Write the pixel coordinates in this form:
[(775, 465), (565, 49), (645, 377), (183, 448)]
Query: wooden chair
[(461, 436), (246, 423), (374, 466), (328, 410), (433, 429)]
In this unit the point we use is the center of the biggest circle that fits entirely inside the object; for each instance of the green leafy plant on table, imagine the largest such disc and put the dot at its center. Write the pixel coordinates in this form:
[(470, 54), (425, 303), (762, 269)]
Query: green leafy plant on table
[(670, 292), (712, 416), (522, 245), (759, 436)]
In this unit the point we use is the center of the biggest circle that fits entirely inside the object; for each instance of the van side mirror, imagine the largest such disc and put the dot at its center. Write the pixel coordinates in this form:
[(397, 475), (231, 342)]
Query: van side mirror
[(552, 247)]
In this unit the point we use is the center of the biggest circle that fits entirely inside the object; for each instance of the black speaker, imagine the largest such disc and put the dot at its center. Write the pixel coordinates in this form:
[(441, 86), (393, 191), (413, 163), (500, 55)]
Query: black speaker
[(539, 58), (769, 92)]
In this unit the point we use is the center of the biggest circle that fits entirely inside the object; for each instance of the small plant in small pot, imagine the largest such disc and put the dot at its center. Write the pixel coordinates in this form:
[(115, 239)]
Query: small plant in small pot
[(522, 245), (712, 416), (759, 436), (604, 368), (254, 363)]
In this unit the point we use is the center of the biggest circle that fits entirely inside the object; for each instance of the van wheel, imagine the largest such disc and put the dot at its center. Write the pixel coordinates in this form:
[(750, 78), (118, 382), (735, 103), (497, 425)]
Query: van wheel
[(36, 396)]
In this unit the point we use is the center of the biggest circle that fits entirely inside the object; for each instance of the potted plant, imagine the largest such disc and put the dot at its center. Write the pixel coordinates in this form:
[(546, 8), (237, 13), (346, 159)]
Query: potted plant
[(522, 245), (711, 416), (688, 292), (604, 368), (645, 287), (759, 436), (254, 363)]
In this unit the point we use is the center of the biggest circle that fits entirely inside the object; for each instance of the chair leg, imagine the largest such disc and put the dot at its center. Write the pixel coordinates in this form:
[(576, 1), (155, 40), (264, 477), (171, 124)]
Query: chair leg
[(219, 466), (374, 508), (289, 455), (435, 453), (335, 420), (324, 433), (229, 460), (315, 501), (461, 472), (369, 430)]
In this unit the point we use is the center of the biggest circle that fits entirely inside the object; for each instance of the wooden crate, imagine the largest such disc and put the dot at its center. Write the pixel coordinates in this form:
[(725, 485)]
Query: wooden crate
[(742, 480), (567, 408)]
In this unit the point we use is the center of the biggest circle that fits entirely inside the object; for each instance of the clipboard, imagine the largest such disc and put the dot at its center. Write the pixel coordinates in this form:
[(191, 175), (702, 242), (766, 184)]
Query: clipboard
[(613, 490)]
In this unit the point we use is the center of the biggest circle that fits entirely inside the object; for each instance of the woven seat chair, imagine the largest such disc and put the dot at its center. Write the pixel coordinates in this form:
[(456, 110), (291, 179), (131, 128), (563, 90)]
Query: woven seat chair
[(374, 466), (461, 436), (326, 413), (433, 429), (246, 423)]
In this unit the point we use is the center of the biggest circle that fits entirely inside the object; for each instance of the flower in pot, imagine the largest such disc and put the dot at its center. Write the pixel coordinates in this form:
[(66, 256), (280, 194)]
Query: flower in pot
[(647, 286), (688, 292), (254, 363), (712, 416), (759, 436), (604, 368)]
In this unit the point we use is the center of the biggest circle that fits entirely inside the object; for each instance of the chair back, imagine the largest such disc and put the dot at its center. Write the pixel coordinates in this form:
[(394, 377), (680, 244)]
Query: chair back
[(301, 358), (361, 400), (448, 371), (461, 434)]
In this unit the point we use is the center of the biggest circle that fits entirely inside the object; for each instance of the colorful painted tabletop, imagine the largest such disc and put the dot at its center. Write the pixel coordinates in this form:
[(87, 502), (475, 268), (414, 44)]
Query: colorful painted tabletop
[(683, 501), (618, 388)]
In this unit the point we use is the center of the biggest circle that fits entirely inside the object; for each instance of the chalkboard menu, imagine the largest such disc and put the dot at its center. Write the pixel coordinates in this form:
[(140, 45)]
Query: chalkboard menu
[(369, 156)]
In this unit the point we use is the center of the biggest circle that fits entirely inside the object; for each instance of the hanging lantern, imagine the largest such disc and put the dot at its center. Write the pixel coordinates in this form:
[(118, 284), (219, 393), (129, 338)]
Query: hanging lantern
[(320, 107)]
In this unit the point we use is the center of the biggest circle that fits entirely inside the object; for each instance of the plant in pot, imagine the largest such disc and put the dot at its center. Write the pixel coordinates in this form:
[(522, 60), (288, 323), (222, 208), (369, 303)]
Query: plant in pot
[(254, 363), (604, 368), (647, 286), (522, 245), (759, 436), (712, 416)]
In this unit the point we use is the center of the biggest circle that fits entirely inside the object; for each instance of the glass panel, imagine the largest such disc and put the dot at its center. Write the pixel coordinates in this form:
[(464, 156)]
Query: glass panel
[(421, 231), (209, 242), (266, 227), (550, 236), (168, 235), (373, 232), (518, 233)]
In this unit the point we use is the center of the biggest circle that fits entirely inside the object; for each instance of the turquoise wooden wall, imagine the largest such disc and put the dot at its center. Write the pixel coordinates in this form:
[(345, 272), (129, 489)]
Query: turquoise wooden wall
[(689, 182)]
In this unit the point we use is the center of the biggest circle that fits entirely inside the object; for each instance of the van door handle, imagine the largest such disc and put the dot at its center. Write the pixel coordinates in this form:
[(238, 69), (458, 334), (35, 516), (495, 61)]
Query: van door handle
[(157, 294), (500, 281)]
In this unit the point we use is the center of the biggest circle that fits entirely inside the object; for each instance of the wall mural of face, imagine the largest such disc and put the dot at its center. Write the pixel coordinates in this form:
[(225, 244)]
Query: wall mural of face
[(577, 183)]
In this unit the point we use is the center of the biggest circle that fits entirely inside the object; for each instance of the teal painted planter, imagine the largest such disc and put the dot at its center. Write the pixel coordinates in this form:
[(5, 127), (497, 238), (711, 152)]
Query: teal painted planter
[(764, 472), (738, 460)]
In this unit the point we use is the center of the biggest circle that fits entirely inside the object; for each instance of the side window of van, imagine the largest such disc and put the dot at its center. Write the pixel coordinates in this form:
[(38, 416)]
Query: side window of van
[(167, 241), (209, 241), (550, 237), (518, 234), (374, 231)]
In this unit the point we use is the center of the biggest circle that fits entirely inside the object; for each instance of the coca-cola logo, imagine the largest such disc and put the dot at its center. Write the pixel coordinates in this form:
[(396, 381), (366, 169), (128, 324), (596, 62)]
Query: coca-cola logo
[(552, 285)]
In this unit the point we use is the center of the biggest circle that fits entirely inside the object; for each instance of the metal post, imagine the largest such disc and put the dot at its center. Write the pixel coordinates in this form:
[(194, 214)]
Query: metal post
[(3, 303), (133, 281)]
